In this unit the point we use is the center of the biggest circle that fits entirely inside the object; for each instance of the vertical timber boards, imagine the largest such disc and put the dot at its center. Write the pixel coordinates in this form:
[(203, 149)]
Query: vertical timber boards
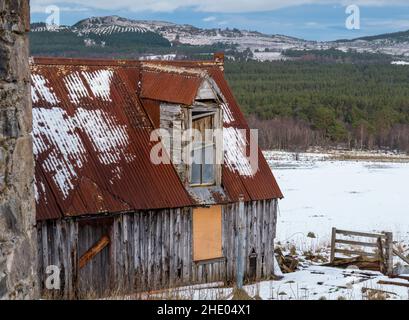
[(151, 250)]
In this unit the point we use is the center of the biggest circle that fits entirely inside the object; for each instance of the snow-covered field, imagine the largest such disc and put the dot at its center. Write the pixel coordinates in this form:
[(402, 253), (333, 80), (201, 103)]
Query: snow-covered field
[(324, 191), (312, 283), (321, 193), (400, 63), (268, 56)]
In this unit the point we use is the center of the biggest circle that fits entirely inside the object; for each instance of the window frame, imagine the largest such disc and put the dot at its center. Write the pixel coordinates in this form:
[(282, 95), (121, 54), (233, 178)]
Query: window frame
[(204, 146)]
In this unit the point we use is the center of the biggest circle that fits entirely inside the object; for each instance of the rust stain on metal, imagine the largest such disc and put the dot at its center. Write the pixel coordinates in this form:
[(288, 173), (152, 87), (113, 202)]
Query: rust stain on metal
[(92, 145), (170, 87), (92, 121), (260, 186)]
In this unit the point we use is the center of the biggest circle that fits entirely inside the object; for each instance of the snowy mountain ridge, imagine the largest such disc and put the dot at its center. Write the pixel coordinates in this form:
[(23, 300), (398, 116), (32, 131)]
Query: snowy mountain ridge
[(264, 47)]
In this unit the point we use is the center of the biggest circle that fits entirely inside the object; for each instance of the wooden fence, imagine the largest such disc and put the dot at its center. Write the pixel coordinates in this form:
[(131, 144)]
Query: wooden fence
[(383, 244)]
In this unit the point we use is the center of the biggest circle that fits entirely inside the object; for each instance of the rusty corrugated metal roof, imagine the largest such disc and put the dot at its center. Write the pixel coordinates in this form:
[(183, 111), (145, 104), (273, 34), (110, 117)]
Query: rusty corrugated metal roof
[(169, 87), (152, 108), (92, 137), (92, 142), (258, 186)]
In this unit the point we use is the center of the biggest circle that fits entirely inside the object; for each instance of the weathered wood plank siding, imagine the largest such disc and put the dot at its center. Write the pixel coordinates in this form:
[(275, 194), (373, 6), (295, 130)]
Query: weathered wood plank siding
[(151, 250)]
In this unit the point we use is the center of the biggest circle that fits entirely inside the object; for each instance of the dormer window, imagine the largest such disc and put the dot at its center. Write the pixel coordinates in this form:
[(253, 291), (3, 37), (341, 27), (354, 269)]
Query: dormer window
[(193, 136), (203, 168)]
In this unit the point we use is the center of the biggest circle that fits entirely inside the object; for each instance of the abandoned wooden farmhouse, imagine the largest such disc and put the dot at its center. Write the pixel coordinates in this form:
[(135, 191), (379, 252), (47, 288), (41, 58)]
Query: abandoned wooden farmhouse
[(113, 220)]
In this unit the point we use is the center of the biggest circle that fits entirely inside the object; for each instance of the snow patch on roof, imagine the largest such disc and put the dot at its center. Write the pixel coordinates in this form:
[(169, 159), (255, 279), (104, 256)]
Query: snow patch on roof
[(109, 140), (54, 131), (76, 88), (100, 83), (40, 90), (34, 96), (57, 136), (235, 151), (227, 114), (39, 191)]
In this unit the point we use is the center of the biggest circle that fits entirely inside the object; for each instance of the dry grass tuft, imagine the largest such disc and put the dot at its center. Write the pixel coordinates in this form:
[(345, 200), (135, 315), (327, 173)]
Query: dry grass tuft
[(241, 294)]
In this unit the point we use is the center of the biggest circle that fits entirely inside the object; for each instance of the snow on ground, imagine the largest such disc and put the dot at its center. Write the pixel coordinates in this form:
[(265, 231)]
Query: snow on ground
[(317, 282), (400, 63), (312, 283), (366, 193), (321, 193), (163, 57), (268, 56), (323, 190)]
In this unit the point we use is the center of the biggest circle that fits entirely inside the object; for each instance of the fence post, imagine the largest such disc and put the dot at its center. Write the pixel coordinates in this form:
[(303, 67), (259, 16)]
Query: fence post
[(389, 253), (333, 238), (382, 261), (240, 254)]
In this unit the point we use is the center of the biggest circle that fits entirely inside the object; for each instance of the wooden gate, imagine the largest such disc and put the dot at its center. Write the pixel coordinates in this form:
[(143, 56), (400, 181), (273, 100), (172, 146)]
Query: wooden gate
[(380, 243)]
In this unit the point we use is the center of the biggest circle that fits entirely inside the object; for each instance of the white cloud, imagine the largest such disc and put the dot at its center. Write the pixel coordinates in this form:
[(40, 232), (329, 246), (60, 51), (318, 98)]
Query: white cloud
[(209, 19), (397, 24), (226, 6), (40, 8), (312, 24)]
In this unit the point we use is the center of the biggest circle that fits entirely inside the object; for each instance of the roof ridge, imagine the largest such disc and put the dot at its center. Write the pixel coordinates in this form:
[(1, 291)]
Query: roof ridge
[(186, 64), (188, 71)]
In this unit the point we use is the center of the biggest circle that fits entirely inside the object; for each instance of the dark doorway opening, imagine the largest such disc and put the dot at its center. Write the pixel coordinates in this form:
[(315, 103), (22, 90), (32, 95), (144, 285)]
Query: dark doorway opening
[(253, 265)]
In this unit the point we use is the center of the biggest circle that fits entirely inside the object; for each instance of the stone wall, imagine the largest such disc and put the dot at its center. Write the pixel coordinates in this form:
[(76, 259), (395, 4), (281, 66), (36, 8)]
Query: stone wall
[(17, 204)]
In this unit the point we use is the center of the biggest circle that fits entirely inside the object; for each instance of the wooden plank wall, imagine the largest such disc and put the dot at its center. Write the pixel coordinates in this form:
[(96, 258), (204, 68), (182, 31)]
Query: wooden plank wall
[(260, 231), (153, 250), (94, 277), (58, 246), (172, 117)]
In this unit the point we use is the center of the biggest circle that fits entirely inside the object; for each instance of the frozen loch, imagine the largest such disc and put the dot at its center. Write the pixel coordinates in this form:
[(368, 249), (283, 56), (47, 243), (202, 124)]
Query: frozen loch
[(321, 193)]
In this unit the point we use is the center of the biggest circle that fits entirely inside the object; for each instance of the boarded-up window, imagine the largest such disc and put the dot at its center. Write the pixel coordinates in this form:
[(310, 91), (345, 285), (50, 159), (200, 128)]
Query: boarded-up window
[(207, 233)]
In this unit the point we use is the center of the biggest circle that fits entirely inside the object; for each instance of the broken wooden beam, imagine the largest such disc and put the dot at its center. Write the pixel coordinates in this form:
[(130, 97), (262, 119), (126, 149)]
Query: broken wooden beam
[(93, 251), (361, 262), (355, 252), (357, 243), (393, 283), (403, 277), (361, 234), (347, 261), (366, 290), (397, 253)]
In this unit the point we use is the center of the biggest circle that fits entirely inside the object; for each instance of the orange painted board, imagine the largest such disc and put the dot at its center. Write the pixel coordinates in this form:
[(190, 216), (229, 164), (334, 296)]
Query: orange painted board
[(207, 233)]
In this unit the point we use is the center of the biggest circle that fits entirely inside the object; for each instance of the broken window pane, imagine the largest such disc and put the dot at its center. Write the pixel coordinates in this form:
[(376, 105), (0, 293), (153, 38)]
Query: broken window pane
[(196, 174), (203, 166), (208, 167)]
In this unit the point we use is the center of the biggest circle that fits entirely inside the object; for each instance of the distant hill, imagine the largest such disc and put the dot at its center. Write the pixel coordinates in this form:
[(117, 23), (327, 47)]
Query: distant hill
[(83, 40), (402, 36), (114, 36), (345, 93)]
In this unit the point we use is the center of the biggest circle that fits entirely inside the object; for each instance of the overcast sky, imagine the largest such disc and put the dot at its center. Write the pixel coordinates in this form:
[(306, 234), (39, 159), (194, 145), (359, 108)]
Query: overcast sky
[(308, 19)]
